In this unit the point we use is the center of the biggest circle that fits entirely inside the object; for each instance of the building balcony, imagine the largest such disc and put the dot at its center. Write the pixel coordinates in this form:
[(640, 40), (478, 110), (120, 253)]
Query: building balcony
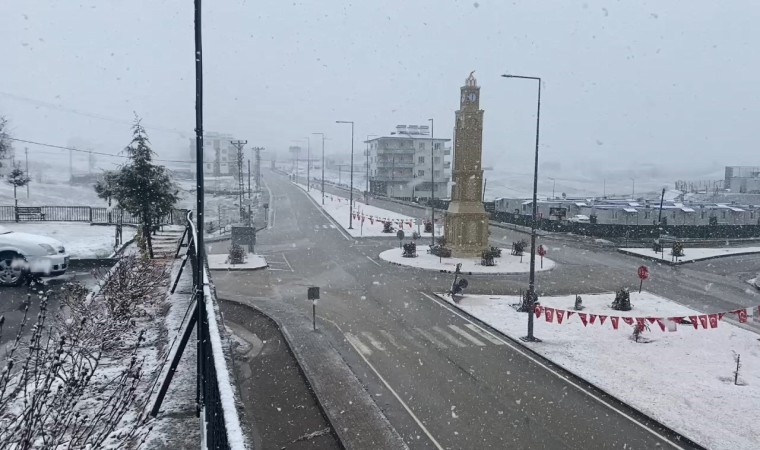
[(396, 164)]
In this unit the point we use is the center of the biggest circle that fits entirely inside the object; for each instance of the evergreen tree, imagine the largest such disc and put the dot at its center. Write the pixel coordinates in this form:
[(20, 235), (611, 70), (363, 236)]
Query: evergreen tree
[(17, 178), (140, 187), (5, 143)]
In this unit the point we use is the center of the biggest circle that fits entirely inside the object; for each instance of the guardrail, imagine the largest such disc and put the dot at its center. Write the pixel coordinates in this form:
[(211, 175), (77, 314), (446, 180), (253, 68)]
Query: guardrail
[(97, 215), (214, 391)]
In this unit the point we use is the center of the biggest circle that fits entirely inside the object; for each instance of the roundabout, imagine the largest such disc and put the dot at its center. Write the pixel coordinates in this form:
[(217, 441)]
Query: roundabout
[(507, 264)]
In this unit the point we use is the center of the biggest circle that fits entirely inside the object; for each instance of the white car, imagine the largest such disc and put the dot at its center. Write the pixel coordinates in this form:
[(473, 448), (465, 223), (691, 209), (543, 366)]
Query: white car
[(23, 254)]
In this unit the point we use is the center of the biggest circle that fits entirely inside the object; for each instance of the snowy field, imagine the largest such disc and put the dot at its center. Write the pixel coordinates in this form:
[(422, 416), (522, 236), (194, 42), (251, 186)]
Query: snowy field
[(337, 207), (692, 254), (506, 264), (52, 194), (81, 240), (684, 379)]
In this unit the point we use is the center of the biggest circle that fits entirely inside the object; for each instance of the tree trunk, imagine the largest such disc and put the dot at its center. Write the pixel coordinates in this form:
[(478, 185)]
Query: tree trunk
[(147, 232)]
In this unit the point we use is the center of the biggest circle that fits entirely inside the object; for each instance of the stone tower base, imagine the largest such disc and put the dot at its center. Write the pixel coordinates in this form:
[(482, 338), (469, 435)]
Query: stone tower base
[(466, 233)]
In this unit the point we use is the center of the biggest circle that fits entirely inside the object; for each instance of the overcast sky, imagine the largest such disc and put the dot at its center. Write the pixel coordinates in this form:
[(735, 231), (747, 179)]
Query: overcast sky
[(654, 90)]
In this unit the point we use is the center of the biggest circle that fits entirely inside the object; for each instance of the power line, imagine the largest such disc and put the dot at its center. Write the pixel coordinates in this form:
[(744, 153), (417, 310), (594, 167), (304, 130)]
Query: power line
[(91, 152)]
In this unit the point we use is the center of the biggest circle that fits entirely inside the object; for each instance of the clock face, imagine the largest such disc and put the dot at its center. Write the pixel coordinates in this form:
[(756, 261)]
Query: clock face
[(471, 96)]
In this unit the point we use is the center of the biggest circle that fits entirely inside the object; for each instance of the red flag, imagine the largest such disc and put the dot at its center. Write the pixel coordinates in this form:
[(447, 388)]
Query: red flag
[(652, 319), (537, 311), (703, 321), (602, 319), (409, 222), (628, 320), (694, 322), (661, 323), (720, 316), (713, 318), (569, 313), (742, 313), (592, 318), (676, 319), (560, 315), (584, 318), (614, 320), (641, 322), (549, 314)]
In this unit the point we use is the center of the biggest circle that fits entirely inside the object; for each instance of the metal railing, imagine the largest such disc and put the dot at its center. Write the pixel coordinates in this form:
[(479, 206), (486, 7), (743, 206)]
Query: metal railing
[(214, 392), (98, 215)]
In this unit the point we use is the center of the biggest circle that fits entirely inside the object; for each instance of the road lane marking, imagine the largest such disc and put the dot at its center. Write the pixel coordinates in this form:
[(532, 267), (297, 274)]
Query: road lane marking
[(375, 343), (376, 263), (392, 340), (358, 345), (388, 386), (472, 325), (484, 334), (329, 219), (467, 335), (270, 224), (431, 338), (449, 337), (288, 263)]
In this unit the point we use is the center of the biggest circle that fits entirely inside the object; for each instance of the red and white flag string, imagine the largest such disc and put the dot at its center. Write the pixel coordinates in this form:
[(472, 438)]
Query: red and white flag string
[(705, 321)]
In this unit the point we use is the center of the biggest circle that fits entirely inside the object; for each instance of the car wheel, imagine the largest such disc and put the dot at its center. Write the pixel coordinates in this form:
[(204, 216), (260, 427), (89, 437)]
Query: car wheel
[(11, 273)]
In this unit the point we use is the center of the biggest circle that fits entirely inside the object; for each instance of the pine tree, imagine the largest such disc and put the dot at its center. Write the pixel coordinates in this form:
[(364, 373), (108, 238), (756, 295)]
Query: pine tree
[(140, 187), (17, 178)]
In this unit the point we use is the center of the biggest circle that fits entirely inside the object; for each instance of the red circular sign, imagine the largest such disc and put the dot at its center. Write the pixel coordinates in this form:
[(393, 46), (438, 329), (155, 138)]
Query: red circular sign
[(541, 250), (643, 272)]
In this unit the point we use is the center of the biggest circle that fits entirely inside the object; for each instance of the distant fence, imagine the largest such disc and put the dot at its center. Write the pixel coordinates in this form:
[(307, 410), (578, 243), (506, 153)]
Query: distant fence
[(633, 231), (98, 215)]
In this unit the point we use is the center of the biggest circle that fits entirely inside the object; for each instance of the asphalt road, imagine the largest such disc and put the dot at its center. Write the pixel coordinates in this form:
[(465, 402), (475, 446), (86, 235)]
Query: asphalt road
[(442, 380), (13, 300)]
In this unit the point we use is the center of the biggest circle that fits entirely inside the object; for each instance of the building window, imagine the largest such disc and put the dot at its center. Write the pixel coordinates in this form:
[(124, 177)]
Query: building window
[(422, 146), (646, 214), (420, 160), (724, 214), (437, 160), (437, 145), (420, 173), (437, 173)]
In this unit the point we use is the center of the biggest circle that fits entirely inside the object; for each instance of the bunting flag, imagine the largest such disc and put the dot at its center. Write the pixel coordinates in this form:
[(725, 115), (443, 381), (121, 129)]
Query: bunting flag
[(661, 323), (703, 321), (584, 318), (641, 322), (720, 316), (549, 314), (694, 322), (713, 318), (614, 321), (602, 319), (652, 319), (560, 315), (742, 313), (537, 311), (591, 318), (569, 313), (628, 320)]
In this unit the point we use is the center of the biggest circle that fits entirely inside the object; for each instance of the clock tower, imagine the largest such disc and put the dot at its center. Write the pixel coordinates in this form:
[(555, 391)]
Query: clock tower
[(466, 221)]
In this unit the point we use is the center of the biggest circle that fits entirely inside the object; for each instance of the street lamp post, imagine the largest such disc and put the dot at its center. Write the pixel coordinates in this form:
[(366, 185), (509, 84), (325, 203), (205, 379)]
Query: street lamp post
[(351, 190), (633, 188), (323, 166), (532, 280), (308, 164), (554, 184), (432, 181)]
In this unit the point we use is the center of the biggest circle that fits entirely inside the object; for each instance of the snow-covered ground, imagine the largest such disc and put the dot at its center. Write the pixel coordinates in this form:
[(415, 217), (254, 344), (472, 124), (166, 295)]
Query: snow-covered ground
[(81, 240), (506, 264), (684, 379), (220, 262), (337, 207), (692, 254), (51, 194)]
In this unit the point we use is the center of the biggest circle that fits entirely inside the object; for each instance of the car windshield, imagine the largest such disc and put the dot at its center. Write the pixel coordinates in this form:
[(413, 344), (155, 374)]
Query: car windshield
[(460, 224)]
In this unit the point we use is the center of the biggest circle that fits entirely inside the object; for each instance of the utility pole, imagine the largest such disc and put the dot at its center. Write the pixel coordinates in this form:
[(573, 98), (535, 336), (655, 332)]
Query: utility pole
[(241, 183), (249, 178), (432, 180), (308, 164), (323, 166), (26, 154), (258, 166)]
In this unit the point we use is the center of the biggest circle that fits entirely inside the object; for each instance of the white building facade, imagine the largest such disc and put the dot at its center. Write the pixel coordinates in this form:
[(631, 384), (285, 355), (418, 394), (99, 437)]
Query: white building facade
[(408, 163), (219, 155)]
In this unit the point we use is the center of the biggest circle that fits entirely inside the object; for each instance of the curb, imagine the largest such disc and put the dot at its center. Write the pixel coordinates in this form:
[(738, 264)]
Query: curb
[(239, 269), (677, 437), (680, 263)]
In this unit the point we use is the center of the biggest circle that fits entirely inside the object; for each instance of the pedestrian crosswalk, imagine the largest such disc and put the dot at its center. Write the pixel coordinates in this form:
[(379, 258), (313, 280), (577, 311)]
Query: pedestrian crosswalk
[(440, 336)]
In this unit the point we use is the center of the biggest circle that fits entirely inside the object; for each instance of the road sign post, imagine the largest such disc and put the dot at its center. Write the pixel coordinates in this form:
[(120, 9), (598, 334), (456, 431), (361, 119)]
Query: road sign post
[(541, 253), (400, 236), (312, 294), (643, 275)]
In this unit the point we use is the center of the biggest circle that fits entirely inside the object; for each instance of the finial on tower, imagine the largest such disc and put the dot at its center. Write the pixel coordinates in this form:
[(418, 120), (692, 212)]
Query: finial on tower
[(471, 81)]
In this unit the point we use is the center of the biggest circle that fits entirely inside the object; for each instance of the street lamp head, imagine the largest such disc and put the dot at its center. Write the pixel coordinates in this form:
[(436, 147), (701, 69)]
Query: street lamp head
[(344, 121)]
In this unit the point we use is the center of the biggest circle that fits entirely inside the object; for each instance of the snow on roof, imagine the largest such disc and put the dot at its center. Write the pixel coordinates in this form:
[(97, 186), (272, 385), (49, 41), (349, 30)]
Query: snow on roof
[(634, 204), (735, 209), (527, 202), (580, 204), (686, 209), (630, 210)]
